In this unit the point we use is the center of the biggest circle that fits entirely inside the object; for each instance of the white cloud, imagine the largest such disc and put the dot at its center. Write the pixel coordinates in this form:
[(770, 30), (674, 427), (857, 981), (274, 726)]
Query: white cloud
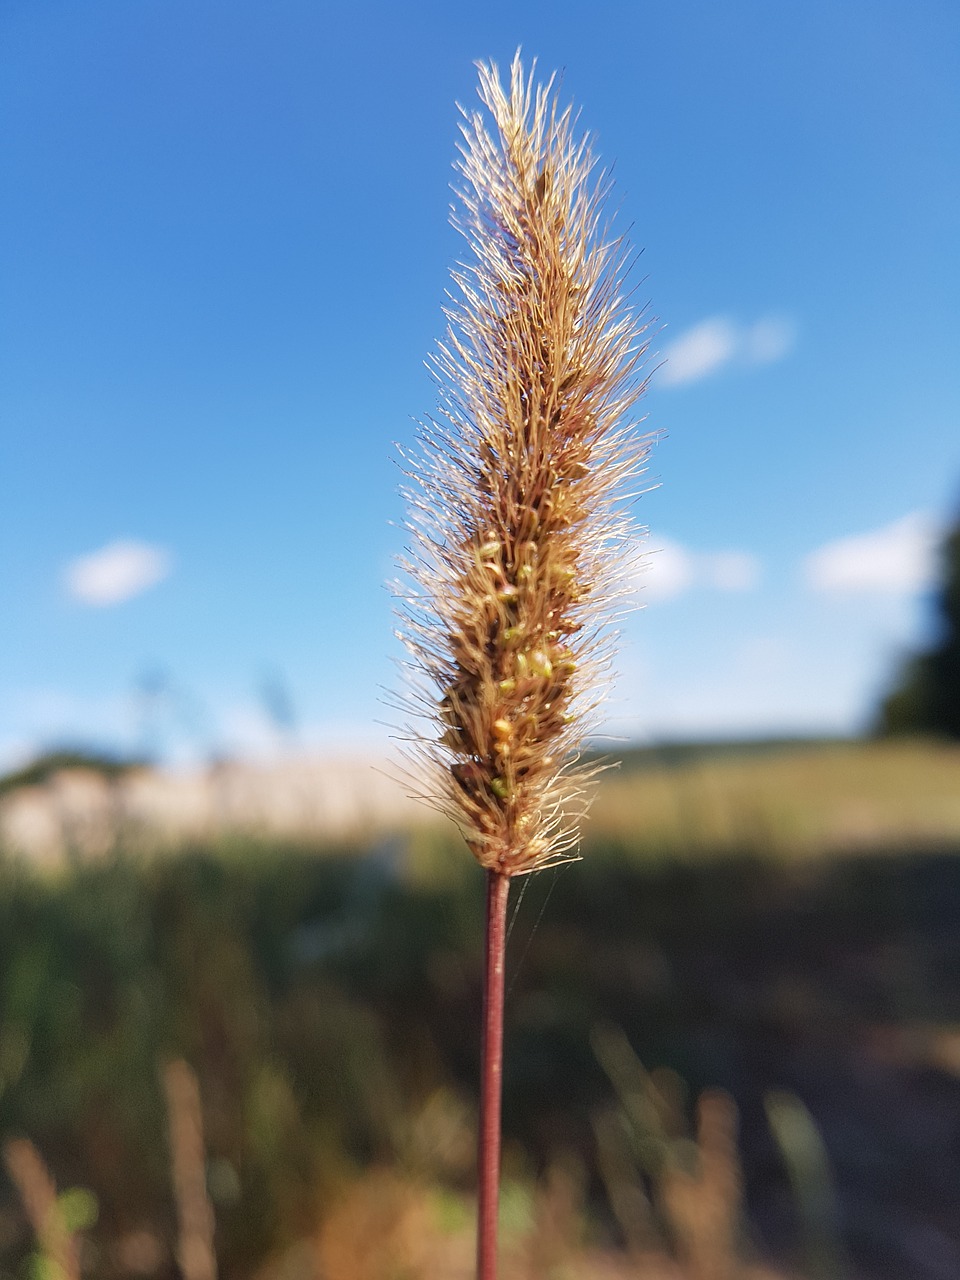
[(699, 352), (666, 571), (116, 572), (899, 559), (720, 341), (730, 570), (768, 341), (669, 570)]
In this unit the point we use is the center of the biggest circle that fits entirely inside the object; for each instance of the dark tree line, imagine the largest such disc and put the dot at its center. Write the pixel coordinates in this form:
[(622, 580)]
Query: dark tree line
[(926, 697)]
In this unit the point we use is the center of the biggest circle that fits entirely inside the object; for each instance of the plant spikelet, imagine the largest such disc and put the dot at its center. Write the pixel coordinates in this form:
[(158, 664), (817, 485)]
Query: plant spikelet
[(516, 500)]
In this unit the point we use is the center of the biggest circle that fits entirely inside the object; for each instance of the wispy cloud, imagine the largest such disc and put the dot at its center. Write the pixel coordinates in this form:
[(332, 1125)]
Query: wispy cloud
[(116, 572), (720, 341), (898, 559), (669, 570)]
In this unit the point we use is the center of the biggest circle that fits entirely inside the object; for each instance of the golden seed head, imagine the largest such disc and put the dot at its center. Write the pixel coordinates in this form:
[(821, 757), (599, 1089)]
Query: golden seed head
[(515, 499)]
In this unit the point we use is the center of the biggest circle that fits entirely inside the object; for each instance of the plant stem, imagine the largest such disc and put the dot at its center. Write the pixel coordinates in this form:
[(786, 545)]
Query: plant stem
[(491, 1076)]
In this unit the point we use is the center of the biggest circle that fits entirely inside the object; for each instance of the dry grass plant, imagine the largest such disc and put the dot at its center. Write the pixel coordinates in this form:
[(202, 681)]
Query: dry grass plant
[(664, 1187), (516, 496), (195, 1246), (34, 1182), (517, 512)]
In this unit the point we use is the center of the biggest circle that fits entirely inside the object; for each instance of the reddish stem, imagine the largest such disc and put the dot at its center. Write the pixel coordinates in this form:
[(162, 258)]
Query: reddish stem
[(491, 1076)]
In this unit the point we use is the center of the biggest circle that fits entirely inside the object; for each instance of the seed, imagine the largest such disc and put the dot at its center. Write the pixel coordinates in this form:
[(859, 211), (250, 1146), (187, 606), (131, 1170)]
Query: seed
[(541, 664)]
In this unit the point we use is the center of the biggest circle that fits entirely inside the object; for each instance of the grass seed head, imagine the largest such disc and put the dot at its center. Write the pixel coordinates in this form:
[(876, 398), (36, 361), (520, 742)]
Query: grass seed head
[(520, 534)]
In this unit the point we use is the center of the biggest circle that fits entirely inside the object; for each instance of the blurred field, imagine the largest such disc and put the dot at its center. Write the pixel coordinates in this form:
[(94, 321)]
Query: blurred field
[(791, 800), (783, 800), (63, 807), (773, 932)]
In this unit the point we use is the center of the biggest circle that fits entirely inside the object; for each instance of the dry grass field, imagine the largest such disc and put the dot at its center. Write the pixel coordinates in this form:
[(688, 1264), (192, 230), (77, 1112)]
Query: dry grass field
[(774, 921), (791, 801)]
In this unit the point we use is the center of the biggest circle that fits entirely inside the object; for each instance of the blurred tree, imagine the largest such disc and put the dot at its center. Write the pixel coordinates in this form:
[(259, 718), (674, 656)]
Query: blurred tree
[(926, 699)]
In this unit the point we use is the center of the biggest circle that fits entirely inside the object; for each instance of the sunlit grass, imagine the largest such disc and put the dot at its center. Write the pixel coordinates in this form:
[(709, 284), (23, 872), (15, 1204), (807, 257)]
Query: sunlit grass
[(791, 802)]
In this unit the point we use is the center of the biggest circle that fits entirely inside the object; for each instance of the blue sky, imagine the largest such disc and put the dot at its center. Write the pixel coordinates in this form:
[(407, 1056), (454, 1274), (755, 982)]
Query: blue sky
[(223, 248)]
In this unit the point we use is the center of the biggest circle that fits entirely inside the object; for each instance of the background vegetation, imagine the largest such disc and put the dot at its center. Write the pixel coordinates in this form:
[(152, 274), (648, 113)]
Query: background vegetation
[(777, 922), (926, 698)]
